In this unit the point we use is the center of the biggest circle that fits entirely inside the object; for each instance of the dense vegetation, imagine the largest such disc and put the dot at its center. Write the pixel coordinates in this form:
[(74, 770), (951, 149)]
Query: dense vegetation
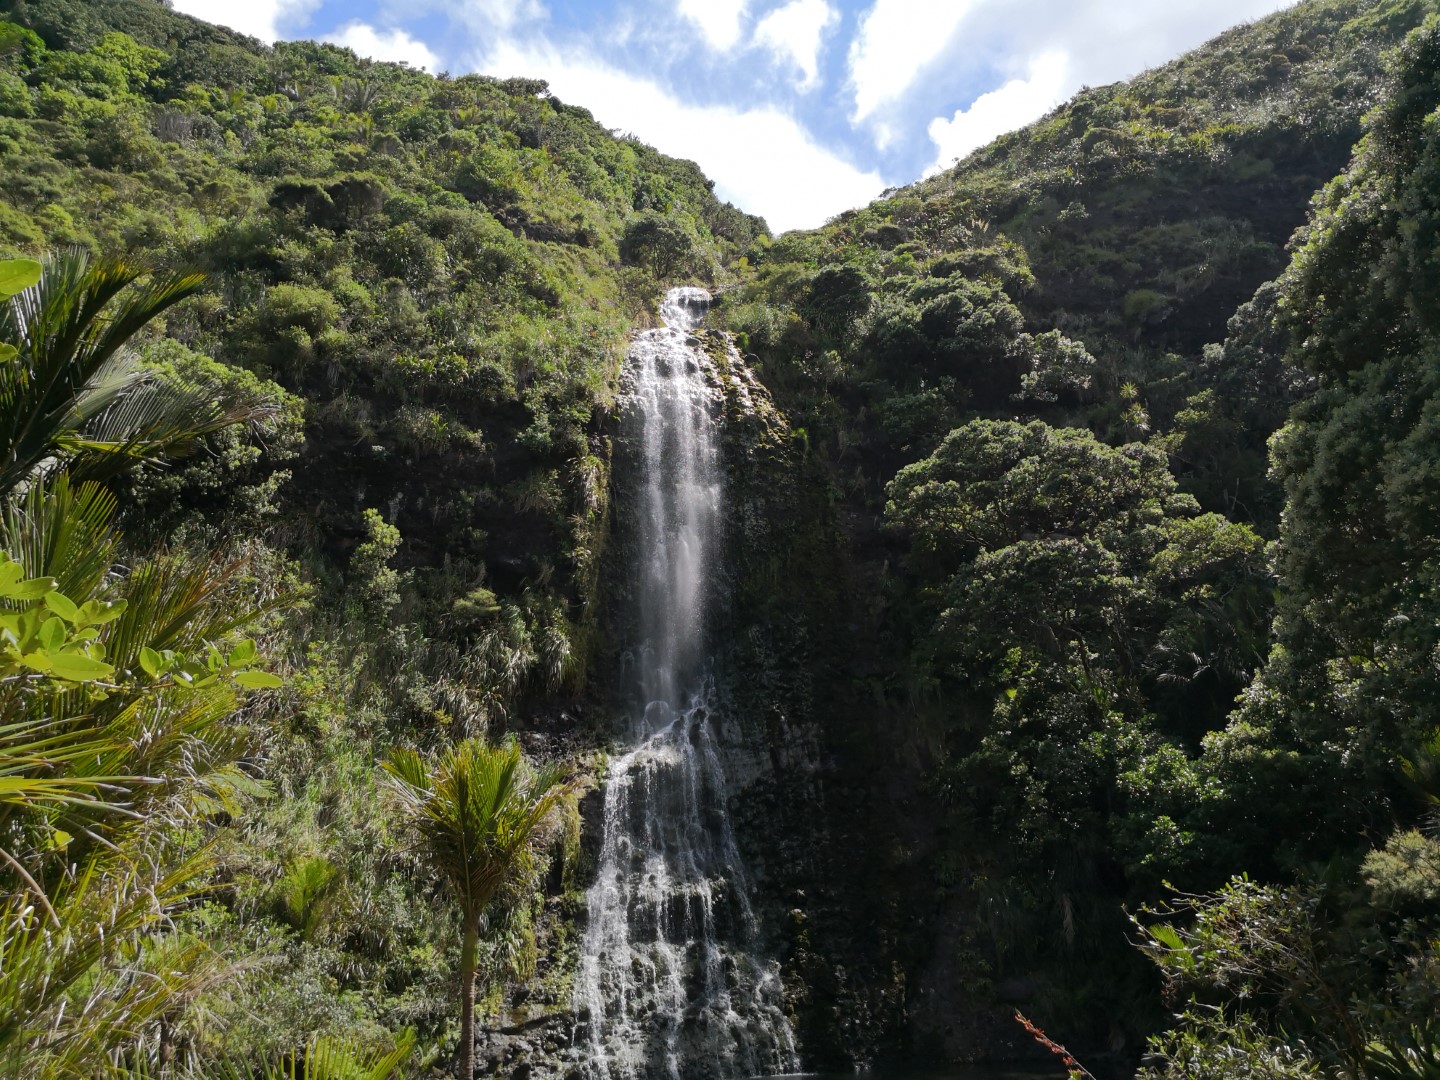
[(1041, 385), (1092, 547), (397, 372)]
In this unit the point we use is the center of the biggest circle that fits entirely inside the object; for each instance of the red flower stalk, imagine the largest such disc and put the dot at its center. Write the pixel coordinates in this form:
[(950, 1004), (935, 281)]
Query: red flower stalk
[(1075, 1068)]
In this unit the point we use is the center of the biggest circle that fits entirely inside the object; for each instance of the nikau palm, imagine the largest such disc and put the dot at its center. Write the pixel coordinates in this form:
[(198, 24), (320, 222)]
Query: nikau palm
[(73, 397), (477, 814)]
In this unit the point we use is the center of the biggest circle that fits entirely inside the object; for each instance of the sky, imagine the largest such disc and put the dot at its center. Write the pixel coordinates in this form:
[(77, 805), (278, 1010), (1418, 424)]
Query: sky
[(797, 109)]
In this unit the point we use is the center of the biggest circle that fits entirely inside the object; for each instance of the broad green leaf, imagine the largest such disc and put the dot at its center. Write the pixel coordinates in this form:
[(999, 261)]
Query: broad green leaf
[(52, 634), (29, 622), (151, 662), (62, 605), (8, 353), (258, 680), (30, 589), (243, 653), (77, 667), (17, 275), (37, 661), (100, 612)]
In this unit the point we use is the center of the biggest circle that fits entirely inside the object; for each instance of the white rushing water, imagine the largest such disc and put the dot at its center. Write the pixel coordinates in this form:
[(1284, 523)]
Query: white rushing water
[(670, 983)]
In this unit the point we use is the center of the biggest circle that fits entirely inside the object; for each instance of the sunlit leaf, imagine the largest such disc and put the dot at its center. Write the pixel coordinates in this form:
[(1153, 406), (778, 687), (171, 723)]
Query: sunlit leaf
[(62, 605), (29, 589), (78, 668), (100, 612), (17, 275), (52, 633), (243, 653)]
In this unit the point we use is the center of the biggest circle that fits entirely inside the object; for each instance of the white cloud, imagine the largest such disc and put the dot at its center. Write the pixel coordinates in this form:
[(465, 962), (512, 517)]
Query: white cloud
[(1010, 106), (395, 45), (1106, 40), (505, 13), (794, 32), (719, 20), (472, 19), (761, 159), (897, 39), (268, 20)]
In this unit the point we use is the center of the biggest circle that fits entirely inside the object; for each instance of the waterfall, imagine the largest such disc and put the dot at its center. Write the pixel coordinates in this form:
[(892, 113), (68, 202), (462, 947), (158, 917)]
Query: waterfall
[(670, 981)]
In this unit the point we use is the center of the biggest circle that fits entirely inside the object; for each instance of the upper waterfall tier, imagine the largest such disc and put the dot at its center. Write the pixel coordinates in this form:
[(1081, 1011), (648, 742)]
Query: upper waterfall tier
[(674, 410)]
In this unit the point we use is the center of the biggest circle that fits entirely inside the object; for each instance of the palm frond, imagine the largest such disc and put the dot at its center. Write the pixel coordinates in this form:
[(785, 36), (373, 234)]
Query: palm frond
[(56, 995), (62, 530), (36, 756), (476, 812), (69, 329), (149, 419), (180, 601), (331, 1058), (325, 1057)]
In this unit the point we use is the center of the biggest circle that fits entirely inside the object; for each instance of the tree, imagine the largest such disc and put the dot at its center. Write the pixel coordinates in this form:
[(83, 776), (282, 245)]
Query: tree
[(1333, 744), (477, 813), (660, 242), (1353, 683), (1089, 624)]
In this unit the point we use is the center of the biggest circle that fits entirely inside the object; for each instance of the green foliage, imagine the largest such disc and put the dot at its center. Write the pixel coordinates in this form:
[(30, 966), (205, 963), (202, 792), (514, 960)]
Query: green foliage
[(1057, 369), (1049, 371), (1406, 872), (410, 257), (305, 891), (72, 399), (1209, 1045), (477, 814), (100, 782), (376, 581), (234, 480), (17, 275), (53, 636), (1351, 686), (661, 243), (1302, 989), (117, 683), (1332, 973)]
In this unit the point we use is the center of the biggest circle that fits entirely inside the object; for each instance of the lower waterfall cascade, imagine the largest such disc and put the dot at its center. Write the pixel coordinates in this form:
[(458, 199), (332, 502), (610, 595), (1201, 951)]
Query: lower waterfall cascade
[(671, 982)]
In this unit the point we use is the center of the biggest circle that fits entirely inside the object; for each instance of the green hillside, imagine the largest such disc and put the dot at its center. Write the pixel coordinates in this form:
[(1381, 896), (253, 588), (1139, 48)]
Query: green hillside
[(1039, 388), (432, 281), (1080, 565)]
